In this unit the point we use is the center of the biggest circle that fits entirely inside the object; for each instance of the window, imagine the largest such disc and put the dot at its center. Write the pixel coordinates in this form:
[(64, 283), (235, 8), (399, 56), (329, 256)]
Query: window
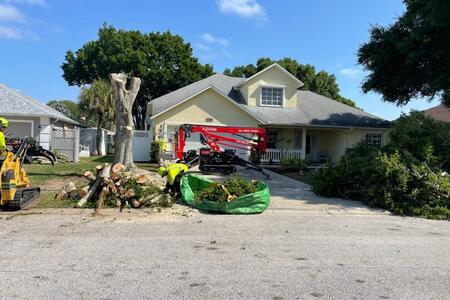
[(373, 139), (272, 139), (271, 96)]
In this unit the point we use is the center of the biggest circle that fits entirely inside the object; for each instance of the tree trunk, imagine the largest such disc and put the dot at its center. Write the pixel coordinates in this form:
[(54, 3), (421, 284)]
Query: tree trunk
[(124, 99), (99, 133)]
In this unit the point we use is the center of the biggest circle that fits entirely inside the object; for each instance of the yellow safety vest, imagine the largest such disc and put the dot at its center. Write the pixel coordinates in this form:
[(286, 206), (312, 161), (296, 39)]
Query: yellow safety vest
[(173, 170), (2, 142)]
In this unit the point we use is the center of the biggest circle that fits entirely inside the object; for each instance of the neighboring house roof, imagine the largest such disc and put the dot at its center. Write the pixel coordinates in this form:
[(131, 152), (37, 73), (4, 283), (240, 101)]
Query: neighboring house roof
[(313, 110), (275, 65), (440, 112), (13, 102)]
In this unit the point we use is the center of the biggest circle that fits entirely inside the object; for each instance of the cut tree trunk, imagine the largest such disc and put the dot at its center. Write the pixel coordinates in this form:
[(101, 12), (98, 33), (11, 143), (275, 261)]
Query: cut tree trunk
[(124, 100)]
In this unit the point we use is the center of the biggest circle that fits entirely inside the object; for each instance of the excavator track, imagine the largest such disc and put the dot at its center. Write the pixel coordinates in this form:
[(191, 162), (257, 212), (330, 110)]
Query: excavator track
[(23, 199)]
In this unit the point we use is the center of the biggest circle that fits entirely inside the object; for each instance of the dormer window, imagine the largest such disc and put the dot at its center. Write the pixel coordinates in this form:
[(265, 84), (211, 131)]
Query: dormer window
[(272, 96)]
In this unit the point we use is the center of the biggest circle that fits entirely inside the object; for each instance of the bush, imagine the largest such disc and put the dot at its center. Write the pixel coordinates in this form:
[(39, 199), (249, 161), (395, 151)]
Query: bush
[(389, 179), (155, 151), (293, 164)]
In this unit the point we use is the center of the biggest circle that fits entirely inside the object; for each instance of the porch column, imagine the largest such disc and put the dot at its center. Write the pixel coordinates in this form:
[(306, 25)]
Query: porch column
[(303, 154)]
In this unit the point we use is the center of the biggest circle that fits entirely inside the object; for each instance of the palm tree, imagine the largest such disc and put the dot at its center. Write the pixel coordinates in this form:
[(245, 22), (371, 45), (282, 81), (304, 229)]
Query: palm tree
[(97, 99)]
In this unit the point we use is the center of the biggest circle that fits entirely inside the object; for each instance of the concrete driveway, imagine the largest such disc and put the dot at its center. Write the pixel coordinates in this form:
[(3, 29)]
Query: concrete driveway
[(291, 195), (303, 247)]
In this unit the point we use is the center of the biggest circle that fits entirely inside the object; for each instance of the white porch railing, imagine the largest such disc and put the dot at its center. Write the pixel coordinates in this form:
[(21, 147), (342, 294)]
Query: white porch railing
[(275, 155)]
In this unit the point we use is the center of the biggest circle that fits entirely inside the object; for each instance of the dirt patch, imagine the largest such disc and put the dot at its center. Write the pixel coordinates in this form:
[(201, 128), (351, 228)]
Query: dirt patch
[(56, 184)]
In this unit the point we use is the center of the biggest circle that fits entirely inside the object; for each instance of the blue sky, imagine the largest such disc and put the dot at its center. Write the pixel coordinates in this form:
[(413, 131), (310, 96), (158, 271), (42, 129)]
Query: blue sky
[(35, 34)]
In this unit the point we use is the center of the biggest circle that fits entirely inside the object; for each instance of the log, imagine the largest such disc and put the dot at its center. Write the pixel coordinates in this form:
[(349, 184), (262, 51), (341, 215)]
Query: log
[(99, 168), (61, 196), (117, 168), (70, 187), (106, 181), (83, 191), (118, 183), (115, 176), (142, 179), (129, 193), (105, 172), (92, 190), (91, 177)]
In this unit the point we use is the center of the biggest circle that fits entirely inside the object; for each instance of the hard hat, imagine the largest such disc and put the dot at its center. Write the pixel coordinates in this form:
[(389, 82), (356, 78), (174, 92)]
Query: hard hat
[(162, 171), (4, 123)]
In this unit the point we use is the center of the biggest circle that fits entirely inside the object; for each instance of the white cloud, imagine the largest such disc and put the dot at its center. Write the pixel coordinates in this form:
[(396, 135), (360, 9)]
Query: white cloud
[(351, 73), (9, 13), (209, 38), (29, 2), (243, 8), (10, 33), (203, 47)]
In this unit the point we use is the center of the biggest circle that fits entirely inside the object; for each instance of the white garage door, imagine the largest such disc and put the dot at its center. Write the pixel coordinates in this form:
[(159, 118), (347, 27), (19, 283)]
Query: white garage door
[(20, 128)]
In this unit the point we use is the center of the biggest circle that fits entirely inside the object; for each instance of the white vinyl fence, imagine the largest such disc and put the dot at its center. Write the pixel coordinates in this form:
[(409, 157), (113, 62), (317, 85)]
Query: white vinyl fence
[(66, 142), (142, 140)]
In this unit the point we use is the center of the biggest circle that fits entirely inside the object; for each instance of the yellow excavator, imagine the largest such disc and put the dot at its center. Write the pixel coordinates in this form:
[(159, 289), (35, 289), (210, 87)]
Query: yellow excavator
[(16, 190)]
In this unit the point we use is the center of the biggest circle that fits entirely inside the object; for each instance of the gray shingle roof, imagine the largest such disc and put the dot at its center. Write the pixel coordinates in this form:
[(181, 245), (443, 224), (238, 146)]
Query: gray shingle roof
[(221, 82), (313, 109), (13, 102), (317, 110)]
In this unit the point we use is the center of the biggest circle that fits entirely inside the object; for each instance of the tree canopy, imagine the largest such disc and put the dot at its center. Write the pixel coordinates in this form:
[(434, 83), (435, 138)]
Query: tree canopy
[(163, 61), (319, 82), (410, 58), (68, 108)]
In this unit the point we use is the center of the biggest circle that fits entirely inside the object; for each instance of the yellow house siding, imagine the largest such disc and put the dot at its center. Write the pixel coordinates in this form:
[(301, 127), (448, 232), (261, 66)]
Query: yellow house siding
[(251, 90), (208, 104)]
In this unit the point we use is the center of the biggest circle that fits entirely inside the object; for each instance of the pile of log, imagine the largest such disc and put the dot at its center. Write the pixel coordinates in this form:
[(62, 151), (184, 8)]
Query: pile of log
[(115, 185)]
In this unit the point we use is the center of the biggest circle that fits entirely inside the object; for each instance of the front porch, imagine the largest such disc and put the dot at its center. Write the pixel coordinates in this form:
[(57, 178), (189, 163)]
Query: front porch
[(317, 145)]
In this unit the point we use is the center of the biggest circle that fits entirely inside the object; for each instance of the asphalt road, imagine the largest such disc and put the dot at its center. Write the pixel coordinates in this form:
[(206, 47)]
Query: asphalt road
[(301, 250)]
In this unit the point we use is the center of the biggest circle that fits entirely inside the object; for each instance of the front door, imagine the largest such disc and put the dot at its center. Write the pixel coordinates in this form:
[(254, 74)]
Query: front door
[(309, 147)]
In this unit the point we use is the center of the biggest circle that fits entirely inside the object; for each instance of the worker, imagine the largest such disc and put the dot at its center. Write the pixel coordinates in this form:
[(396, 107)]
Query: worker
[(4, 124), (174, 173)]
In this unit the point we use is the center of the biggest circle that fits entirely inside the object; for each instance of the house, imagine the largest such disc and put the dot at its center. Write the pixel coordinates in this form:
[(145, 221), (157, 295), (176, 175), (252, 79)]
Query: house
[(299, 123), (30, 118), (440, 113)]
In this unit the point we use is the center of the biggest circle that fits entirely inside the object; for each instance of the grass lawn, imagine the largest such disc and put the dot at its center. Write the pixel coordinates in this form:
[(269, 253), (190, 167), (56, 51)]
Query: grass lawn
[(42, 174)]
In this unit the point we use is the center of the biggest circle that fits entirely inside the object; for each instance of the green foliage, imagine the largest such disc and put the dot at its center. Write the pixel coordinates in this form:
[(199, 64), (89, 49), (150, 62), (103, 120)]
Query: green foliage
[(221, 192), (162, 60), (410, 58), (293, 164), (68, 108), (388, 179), (426, 139), (155, 150), (320, 82)]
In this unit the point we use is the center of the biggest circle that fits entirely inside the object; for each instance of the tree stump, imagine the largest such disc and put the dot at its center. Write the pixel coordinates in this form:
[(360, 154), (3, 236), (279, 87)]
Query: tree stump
[(124, 100)]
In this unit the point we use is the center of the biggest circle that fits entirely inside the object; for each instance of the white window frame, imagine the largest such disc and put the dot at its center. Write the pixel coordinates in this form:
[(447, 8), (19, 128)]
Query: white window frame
[(373, 132), (282, 87)]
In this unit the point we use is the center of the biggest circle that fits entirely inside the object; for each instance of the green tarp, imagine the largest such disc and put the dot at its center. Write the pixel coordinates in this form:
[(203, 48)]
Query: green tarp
[(249, 204)]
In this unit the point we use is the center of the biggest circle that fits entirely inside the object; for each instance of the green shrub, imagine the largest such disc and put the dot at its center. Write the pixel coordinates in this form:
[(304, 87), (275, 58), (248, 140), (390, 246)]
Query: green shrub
[(155, 151), (389, 179), (293, 164)]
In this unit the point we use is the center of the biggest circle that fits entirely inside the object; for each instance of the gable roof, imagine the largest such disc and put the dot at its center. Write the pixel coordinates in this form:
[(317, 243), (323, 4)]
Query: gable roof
[(222, 83), (440, 112), (313, 109), (13, 102), (232, 101), (275, 65)]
